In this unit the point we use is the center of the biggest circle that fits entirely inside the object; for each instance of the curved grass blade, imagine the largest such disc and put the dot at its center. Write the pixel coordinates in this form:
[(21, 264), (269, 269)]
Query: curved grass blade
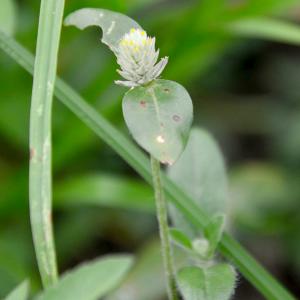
[(267, 29)]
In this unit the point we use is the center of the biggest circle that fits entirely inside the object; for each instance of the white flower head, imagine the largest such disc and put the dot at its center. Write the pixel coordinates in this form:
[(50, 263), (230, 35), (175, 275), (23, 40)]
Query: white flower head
[(137, 58)]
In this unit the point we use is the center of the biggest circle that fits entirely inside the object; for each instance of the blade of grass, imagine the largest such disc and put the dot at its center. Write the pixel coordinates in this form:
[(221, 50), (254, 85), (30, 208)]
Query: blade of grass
[(40, 182), (268, 29), (230, 248)]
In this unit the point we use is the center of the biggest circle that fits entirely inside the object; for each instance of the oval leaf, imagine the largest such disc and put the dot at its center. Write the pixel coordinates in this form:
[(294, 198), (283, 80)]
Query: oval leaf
[(113, 24), (159, 117), (20, 292), (90, 281), (200, 172), (213, 283)]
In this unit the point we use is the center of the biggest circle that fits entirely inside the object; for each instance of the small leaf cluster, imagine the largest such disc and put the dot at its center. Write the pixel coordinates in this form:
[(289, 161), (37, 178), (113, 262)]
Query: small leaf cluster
[(204, 278)]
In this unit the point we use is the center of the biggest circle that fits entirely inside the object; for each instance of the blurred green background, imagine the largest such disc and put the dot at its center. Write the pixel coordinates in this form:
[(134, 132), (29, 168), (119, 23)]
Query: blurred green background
[(246, 92)]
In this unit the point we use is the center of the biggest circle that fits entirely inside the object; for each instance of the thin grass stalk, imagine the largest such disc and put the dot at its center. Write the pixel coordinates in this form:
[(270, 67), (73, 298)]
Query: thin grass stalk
[(40, 181), (231, 249)]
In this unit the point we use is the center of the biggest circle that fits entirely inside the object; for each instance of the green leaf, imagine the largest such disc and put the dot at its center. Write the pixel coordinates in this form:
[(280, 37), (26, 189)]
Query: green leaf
[(148, 268), (213, 232), (20, 292), (180, 238), (200, 172), (114, 25), (159, 117), (269, 29), (212, 283), (90, 281), (7, 16), (105, 190)]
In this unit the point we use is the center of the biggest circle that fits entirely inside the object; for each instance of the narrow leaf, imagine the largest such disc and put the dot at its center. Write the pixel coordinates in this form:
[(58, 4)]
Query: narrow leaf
[(90, 281), (213, 283), (213, 232), (104, 190), (269, 29), (20, 292), (7, 16), (180, 238), (113, 24), (159, 117)]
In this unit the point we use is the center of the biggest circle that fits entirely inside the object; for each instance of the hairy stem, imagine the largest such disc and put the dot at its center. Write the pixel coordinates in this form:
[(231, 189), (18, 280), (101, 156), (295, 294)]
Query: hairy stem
[(40, 181), (161, 211)]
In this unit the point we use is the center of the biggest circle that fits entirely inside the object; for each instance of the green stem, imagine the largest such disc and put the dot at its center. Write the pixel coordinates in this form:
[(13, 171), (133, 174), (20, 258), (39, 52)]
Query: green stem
[(247, 265), (162, 216), (40, 181)]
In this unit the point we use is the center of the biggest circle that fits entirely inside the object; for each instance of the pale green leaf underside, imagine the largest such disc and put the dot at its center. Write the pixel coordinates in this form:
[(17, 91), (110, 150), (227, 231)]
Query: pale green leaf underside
[(159, 117), (200, 172), (90, 281), (7, 16), (113, 24), (213, 283), (20, 292)]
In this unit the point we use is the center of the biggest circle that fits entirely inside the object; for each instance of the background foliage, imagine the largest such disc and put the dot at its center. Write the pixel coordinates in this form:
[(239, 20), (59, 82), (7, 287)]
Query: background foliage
[(245, 91)]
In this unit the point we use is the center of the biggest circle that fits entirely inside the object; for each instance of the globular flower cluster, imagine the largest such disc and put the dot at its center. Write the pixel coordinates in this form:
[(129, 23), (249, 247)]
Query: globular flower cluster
[(137, 58)]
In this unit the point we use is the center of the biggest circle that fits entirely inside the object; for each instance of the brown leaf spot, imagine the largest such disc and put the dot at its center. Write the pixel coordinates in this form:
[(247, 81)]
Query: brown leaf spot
[(166, 90), (176, 118), (32, 153), (143, 103)]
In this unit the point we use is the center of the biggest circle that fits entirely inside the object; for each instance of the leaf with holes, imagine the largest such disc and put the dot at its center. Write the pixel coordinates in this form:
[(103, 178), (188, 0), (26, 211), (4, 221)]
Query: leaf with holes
[(113, 24), (159, 117), (213, 283)]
